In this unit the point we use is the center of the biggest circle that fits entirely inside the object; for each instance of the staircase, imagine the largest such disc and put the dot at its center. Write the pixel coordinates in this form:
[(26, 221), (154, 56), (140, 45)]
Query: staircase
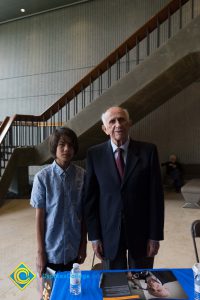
[(120, 80)]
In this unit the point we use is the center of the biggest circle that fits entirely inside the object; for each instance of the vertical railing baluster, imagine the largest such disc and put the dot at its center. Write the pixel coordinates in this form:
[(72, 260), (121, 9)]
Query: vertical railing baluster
[(169, 23), (192, 9), (50, 123), (38, 132), (54, 120), (16, 133), (20, 133), (127, 59), (4, 151), (76, 103), (158, 33), (147, 43), (1, 158), (58, 113), (117, 65), (180, 14), (30, 126), (99, 82), (33, 134), (109, 75), (118, 69), (23, 134), (43, 125), (90, 91), (11, 136), (137, 51), (17, 127), (61, 117), (5, 148), (28, 129), (82, 97), (66, 109)]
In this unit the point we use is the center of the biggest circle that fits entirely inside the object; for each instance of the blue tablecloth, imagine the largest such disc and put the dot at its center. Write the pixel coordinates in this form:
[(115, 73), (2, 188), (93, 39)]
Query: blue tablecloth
[(91, 290)]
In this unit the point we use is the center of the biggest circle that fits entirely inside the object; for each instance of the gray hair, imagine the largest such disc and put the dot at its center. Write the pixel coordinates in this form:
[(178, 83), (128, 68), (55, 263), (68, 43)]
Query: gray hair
[(103, 116)]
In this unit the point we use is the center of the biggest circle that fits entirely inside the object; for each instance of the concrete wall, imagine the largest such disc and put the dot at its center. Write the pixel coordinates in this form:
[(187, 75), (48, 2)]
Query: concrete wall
[(174, 126), (43, 56)]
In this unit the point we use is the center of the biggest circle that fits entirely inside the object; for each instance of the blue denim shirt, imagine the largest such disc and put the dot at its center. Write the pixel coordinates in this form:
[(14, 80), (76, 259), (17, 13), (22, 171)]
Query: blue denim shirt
[(59, 192)]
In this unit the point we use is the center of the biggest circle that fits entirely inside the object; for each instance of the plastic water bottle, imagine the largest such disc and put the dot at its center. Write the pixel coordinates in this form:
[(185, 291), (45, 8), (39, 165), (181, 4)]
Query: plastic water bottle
[(197, 287), (196, 271), (75, 280)]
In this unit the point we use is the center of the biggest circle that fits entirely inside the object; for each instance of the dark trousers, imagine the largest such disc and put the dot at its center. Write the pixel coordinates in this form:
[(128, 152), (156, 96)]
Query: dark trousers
[(124, 259), (61, 267), (177, 180)]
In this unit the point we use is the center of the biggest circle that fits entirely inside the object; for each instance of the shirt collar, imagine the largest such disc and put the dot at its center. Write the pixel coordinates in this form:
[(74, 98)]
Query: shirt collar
[(59, 170), (124, 146)]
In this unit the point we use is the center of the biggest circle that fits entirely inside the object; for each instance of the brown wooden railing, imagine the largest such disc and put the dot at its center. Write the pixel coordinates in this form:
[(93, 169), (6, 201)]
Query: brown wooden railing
[(29, 130)]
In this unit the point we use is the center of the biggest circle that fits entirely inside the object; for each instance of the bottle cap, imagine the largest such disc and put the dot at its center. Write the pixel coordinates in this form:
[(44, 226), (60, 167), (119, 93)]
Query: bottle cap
[(75, 265)]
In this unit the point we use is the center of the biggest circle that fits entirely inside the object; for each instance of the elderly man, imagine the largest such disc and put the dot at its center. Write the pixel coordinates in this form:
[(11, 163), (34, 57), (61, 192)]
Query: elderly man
[(124, 203)]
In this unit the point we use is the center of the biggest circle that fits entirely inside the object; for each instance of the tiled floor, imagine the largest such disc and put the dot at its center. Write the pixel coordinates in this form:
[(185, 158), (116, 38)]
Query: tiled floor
[(18, 242)]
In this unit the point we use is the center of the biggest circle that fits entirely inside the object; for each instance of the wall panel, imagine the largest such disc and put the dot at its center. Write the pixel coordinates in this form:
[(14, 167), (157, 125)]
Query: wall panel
[(174, 126), (41, 57)]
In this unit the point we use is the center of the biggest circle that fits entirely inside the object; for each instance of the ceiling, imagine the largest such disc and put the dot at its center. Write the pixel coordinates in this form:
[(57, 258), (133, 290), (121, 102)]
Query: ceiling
[(10, 9)]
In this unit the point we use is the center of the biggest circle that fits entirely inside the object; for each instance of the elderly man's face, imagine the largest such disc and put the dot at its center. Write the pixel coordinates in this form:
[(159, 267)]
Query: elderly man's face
[(116, 125)]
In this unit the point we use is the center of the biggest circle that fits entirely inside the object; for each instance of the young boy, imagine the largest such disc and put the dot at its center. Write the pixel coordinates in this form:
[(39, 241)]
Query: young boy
[(57, 197)]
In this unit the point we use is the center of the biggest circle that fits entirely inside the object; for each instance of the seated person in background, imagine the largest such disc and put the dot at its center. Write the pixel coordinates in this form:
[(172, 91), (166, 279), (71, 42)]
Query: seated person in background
[(174, 171)]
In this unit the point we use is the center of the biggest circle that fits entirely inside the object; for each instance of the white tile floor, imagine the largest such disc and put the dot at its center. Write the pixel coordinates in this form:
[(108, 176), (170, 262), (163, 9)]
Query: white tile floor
[(18, 242)]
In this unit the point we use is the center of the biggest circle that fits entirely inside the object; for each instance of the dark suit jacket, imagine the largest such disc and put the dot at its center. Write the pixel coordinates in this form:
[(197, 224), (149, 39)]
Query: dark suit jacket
[(139, 197)]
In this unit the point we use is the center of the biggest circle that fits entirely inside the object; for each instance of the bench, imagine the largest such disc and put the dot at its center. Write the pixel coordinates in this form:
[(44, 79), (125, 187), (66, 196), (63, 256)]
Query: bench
[(191, 188), (191, 193)]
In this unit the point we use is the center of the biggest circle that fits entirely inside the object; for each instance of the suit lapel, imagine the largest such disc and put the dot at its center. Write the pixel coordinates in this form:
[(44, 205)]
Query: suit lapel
[(131, 161)]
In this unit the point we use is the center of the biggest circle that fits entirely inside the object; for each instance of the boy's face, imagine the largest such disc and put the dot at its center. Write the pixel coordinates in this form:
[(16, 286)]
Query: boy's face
[(64, 152)]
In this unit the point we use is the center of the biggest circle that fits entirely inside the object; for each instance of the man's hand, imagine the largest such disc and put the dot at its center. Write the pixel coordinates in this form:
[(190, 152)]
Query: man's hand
[(82, 252), (98, 249), (152, 248), (41, 262)]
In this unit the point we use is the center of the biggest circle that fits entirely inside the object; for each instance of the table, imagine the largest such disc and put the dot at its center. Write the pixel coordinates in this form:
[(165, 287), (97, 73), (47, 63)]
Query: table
[(91, 290)]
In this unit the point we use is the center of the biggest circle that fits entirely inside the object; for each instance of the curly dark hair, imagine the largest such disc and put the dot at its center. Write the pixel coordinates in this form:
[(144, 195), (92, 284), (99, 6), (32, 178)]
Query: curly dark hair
[(57, 134)]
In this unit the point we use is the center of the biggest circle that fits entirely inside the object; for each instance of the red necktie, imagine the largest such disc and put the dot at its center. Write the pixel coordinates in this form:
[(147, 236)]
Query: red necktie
[(120, 162)]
